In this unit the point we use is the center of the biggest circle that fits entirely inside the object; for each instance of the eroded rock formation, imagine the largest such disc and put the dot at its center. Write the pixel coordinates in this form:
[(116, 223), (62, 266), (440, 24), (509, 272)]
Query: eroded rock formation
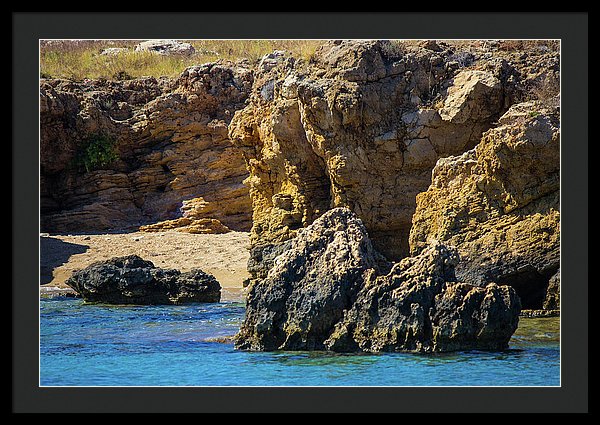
[(132, 280), (498, 204), (310, 285), (330, 291), (361, 125), (120, 154)]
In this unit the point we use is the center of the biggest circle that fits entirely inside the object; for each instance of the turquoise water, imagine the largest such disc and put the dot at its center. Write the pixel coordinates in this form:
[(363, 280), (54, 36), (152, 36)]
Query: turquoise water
[(100, 345)]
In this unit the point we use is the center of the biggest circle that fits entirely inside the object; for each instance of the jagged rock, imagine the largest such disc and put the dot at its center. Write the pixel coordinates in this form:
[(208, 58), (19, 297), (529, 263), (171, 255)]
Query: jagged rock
[(359, 126), (132, 280), (309, 286), (166, 47), (498, 204), (171, 146), (419, 306), (326, 293)]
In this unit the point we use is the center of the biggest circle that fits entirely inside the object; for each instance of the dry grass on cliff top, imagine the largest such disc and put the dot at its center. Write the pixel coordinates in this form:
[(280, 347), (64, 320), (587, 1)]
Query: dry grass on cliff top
[(79, 59)]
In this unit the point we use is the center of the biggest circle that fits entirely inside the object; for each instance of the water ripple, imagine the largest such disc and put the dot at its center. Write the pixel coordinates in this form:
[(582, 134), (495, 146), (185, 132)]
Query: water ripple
[(98, 345)]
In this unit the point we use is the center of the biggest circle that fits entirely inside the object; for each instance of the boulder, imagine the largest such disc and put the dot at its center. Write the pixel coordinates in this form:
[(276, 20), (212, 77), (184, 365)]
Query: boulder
[(309, 286), (166, 47), (332, 291), (472, 96), (132, 280)]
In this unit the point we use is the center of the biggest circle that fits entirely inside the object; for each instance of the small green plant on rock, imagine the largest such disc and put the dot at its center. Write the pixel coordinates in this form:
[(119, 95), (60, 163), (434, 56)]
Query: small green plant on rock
[(96, 152)]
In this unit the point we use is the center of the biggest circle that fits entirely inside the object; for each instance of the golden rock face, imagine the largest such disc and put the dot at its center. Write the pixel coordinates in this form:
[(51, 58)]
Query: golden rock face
[(418, 141), (499, 204), (173, 152), (357, 127)]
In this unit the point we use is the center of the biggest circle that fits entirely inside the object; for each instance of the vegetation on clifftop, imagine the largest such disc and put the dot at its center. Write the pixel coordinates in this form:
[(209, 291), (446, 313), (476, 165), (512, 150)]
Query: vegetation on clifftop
[(79, 59)]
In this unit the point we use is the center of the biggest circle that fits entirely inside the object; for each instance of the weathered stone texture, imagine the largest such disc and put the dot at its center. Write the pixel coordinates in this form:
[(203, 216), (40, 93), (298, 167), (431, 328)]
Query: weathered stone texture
[(332, 291), (171, 142), (361, 125), (499, 204), (132, 280)]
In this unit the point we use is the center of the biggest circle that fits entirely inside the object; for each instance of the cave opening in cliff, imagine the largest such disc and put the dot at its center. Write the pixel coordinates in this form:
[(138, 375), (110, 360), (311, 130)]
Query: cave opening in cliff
[(531, 287)]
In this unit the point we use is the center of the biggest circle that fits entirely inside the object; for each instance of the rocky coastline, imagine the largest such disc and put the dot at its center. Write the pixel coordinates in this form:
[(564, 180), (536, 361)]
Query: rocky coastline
[(330, 291), (399, 197)]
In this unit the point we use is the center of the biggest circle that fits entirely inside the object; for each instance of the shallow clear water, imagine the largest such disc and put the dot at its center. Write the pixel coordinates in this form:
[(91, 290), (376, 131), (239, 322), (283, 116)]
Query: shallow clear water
[(100, 345)]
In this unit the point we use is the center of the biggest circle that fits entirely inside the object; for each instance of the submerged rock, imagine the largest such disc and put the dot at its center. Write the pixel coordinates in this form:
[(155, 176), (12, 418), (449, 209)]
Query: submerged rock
[(132, 280), (328, 292)]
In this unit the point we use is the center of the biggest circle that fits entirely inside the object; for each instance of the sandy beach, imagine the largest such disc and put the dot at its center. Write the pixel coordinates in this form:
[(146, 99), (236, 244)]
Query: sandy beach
[(223, 255)]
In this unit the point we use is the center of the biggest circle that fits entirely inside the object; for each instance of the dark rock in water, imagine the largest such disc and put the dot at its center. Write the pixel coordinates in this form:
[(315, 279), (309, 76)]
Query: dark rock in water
[(420, 307), (309, 286), (132, 280), (327, 293)]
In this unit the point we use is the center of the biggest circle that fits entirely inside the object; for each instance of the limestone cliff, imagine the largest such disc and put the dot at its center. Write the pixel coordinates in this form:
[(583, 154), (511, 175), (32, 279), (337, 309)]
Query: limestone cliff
[(361, 125), (499, 205), (120, 154)]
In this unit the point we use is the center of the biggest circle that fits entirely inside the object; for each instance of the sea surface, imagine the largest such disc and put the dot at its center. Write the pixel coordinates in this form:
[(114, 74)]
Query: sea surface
[(100, 345)]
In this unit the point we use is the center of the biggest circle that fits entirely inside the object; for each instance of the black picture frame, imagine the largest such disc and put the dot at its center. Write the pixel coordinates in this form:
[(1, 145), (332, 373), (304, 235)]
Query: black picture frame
[(570, 28)]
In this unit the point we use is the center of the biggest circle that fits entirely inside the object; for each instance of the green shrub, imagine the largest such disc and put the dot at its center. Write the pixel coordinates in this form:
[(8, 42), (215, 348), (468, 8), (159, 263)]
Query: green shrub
[(96, 152)]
